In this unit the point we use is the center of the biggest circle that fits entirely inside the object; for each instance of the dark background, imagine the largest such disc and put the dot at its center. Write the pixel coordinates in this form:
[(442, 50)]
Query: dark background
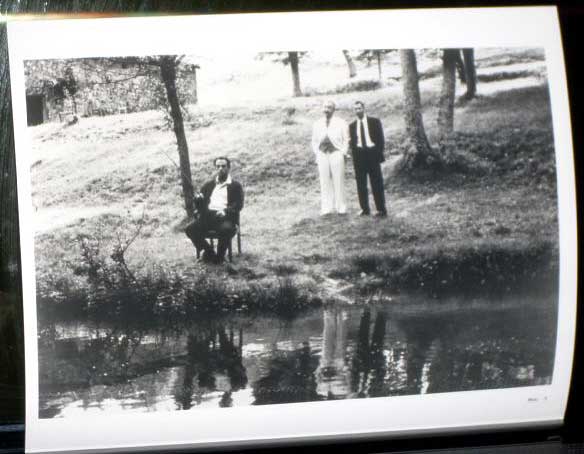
[(569, 438)]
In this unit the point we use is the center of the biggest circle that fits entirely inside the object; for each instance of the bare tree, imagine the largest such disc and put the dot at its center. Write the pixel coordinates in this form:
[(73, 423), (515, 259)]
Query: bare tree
[(350, 63), (375, 54), (470, 73), (166, 67), (378, 55), (447, 93), (414, 122), (168, 64), (293, 59)]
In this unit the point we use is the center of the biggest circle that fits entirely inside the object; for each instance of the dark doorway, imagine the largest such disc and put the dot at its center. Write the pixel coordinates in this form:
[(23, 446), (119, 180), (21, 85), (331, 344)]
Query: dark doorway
[(35, 109)]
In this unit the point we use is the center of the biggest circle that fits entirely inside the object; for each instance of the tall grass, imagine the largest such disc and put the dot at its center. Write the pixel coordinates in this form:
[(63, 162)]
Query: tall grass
[(485, 269), (103, 288)]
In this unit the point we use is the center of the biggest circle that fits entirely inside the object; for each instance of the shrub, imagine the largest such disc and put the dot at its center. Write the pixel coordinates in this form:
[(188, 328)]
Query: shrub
[(492, 269), (103, 289), (353, 86)]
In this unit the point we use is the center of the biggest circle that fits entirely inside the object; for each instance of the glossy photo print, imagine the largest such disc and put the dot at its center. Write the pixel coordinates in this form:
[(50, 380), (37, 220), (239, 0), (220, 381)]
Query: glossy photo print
[(454, 288), (284, 234)]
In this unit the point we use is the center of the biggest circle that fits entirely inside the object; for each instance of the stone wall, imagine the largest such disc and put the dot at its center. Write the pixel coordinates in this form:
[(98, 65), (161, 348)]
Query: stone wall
[(102, 88)]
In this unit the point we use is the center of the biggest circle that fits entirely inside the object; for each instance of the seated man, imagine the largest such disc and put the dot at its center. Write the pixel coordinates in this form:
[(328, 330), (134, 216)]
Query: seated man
[(222, 201)]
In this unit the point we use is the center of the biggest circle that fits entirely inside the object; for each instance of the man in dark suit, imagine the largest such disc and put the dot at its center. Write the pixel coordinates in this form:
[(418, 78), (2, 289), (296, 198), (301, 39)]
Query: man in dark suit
[(220, 201), (367, 141)]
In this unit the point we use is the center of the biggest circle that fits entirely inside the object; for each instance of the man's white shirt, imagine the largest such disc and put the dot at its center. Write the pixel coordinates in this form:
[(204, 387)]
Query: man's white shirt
[(337, 131), (218, 200), (368, 142)]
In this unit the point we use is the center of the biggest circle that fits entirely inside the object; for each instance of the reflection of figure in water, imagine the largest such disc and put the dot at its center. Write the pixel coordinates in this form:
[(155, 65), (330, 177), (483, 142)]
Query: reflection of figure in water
[(290, 378), (197, 358), (209, 355), (226, 400), (332, 374), (369, 363)]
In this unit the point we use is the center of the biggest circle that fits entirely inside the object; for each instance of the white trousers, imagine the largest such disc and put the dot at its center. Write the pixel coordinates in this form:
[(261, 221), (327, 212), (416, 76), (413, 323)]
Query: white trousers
[(331, 169)]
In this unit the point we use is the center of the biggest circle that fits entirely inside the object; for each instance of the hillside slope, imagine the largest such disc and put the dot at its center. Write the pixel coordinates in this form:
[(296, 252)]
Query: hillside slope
[(104, 176)]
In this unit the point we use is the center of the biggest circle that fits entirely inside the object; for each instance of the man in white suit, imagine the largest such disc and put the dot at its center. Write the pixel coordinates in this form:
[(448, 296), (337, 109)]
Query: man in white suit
[(330, 144)]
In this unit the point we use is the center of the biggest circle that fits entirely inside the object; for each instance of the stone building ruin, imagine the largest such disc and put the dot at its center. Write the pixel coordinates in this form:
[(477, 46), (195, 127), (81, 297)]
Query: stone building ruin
[(62, 90)]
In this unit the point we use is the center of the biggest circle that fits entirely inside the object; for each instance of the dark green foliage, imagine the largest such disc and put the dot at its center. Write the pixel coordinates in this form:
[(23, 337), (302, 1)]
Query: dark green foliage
[(528, 155), (290, 379), (470, 270), (507, 75), (525, 155), (104, 288), (66, 85), (360, 85), (350, 87), (369, 55)]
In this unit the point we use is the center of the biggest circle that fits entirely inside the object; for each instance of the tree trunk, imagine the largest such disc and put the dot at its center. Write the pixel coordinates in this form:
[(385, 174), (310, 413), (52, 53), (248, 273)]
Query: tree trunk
[(413, 106), (350, 64), (470, 73), (293, 57), (196, 93), (378, 55), (460, 67), (447, 94), (168, 74)]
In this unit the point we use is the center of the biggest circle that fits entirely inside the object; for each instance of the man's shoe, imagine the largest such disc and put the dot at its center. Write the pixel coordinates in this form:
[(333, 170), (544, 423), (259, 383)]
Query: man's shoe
[(364, 213), (381, 214)]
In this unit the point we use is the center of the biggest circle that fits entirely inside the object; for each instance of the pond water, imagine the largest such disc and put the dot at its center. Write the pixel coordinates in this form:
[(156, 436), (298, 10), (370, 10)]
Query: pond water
[(339, 352)]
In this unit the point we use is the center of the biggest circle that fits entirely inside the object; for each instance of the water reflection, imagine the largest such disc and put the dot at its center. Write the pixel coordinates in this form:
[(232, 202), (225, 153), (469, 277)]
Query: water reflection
[(213, 363), (335, 353)]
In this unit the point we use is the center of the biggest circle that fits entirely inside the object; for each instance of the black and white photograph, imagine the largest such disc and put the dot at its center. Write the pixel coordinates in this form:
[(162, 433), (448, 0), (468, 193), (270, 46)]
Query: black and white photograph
[(262, 227), (444, 278)]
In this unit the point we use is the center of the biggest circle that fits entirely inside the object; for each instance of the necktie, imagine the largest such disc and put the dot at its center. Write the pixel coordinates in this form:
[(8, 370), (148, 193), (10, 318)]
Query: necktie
[(362, 131)]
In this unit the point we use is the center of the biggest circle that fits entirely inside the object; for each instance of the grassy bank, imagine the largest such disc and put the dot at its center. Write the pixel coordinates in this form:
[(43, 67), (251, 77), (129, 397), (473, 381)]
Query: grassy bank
[(485, 223)]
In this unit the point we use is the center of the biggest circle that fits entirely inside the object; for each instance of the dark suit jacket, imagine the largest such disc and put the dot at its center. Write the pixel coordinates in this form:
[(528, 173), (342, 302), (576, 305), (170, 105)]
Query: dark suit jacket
[(234, 198), (376, 135)]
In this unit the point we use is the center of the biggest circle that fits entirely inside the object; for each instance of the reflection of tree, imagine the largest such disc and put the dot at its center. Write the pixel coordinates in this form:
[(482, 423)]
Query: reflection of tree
[(378, 363), (445, 371), (290, 378), (419, 334), (360, 363), (104, 359), (492, 354), (210, 353)]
